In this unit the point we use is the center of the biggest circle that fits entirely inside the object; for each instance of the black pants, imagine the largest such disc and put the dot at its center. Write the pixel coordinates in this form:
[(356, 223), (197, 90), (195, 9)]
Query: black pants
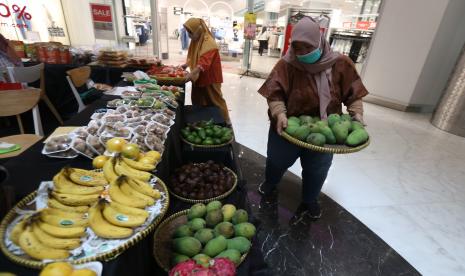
[(282, 154), (263, 44)]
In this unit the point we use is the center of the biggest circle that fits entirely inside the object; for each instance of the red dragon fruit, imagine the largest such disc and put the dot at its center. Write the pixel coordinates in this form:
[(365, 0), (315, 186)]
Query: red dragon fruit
[(218, 267), (222, 267), (184, 268)]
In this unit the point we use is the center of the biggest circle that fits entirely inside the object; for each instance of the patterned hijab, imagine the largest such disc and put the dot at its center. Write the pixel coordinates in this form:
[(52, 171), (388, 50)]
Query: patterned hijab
[(205, 43), (308, 30)]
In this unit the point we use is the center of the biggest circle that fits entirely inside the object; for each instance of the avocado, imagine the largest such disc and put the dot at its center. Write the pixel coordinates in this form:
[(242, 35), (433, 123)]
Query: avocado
[(187, 246), (225, 229), (197, 211), (178, 259), (316, 139), (215, 246), (197, 224), (341, 132), (240, 216), (214, 217), (228, 211), (245, 229), (213, 205), (182, 231), (333, 118), (232, 254), (239, 243), (357, 137), (204, 235)]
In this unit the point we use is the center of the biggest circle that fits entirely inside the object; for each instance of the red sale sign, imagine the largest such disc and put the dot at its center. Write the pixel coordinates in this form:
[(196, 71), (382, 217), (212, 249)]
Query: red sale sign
[(363, 25), (101, 13)]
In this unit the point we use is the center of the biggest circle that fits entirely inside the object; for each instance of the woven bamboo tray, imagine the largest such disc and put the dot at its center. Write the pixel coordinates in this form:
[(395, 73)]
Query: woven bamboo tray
[(162, 239), (169, 80), (335, 149), (25, 260), (207, 146), (226, 194)]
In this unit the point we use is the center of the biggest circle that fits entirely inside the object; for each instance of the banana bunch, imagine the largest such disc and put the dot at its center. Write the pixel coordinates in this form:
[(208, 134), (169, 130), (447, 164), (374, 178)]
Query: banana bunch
[(49, 233), (86, 177), (103, 228), (63, 184)]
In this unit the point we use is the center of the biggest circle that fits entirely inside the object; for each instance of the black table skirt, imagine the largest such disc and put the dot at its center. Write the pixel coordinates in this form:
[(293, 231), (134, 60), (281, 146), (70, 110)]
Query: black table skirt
[(31, 167)]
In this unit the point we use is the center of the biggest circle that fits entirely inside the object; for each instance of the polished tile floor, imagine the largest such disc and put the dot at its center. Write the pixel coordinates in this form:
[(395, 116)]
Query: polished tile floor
[(408, 186)]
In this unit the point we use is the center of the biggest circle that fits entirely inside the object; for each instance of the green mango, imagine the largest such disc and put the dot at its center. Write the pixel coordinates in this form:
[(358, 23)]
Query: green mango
[(178, 259), (228, 211), (197, 224), (185, 132), (239, 243), (214, 217), (209, 132), (225, 229), (214, 205), (341, 132), (197, 210), (316, 139), (218, 133), (197, 141), (232, 254), (207, 142), (314, 128), (201, 133), (217, 141), (240, 216), (202, 259), (357, 137), (316, 119), (346, 117), (245, 229), (182, 231), (302, 132), (293, 121), (204, 235), (291, 129), (357, 125), (322, 123), (187, 246), (215, 246), (226, 138), (347, 124), (333, 119), (191, 138), (304, 119), (329, 135)]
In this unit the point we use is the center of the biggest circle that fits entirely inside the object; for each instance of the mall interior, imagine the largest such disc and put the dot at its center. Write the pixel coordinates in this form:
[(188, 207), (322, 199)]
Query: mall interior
[(393, 205)]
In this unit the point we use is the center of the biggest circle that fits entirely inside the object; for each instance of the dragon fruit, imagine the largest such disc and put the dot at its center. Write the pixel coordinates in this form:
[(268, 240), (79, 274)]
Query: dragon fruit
[(185, 268), (217, 267), (222, 267)]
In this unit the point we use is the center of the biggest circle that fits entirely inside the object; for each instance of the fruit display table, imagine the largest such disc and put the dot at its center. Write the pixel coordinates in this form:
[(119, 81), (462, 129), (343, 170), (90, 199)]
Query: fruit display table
[(29, 169)]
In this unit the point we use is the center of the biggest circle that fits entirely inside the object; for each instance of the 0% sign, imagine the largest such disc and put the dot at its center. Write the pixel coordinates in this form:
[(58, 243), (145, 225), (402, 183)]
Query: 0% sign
[(20, 12)]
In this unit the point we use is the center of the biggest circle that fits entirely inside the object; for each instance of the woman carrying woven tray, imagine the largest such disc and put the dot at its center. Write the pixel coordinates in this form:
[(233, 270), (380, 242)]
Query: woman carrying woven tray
[(313, 80), (203, 59)]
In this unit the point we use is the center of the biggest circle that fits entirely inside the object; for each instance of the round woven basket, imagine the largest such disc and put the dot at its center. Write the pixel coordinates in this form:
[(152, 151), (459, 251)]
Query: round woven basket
[(169, 80), (25, 260), (207, 146), (335, 149), (162, 239), (226, 194)]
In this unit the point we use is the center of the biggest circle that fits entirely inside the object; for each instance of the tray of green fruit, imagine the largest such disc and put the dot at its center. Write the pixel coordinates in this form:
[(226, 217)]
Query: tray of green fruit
[(203, 232), (206, 134), (339, 134)]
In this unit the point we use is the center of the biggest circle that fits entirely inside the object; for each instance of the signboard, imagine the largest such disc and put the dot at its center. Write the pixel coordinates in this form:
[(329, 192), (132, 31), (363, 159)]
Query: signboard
[(362, 25), (250, 25), (177, 10), (103, 21)]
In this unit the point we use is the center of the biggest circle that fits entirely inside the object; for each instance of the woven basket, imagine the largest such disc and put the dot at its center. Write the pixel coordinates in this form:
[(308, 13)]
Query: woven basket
[(25, 260), (207, 146), (336, 149), (169, 80), (162, 239), (222, 196)]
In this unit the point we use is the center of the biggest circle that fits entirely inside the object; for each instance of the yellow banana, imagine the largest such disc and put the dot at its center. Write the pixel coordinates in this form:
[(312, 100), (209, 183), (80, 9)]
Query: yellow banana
[(117, 195), (129, 210), (53, 242), (143, 187), (129, 191), (75, 200), (17, 230), (62, 232), (37, 250), (138, 165), (62, 184), (63, 221), (103, 228), (62, 214), (53, 203), (122, 169), (109, 171), (121, 218), (86, 177)]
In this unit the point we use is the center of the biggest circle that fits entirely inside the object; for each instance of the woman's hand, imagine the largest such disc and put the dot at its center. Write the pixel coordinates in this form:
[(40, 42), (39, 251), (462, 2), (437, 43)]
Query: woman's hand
[(359, 118), (193, 75), (184, 66), (281, 122)]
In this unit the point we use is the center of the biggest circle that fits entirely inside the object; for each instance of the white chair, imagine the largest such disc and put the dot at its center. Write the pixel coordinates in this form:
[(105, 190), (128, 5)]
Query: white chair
[(77, 77), (31, 74), (81, 105)]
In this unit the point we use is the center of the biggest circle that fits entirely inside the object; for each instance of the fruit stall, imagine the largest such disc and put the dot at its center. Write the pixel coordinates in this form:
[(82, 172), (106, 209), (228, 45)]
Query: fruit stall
[(140, 184)]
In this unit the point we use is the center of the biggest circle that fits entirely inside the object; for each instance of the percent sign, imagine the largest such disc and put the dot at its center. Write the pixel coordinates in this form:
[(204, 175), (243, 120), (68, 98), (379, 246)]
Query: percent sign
[(22, 12)]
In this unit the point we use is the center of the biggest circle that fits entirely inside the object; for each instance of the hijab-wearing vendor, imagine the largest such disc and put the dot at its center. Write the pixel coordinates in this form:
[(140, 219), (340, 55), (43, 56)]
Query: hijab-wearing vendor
[(313, 80), (203, 59)]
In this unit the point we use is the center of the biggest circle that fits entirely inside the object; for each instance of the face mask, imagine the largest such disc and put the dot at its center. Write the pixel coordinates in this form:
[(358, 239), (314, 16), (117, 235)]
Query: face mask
[(311, 57)]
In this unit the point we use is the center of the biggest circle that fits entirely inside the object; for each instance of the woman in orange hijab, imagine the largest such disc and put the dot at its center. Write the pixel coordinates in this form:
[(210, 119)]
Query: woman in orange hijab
[(203, 59)]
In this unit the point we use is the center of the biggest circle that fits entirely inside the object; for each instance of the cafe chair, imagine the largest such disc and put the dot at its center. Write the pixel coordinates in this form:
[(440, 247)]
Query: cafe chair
[(32, 74), (76, 78), (14, 103)]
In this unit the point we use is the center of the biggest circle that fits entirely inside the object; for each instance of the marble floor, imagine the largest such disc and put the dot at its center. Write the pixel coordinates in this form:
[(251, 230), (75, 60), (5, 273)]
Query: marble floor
[(408, 186)]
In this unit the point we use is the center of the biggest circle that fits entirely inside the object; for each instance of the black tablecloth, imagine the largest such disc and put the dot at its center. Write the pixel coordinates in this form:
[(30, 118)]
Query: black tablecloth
[(31, 167)]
